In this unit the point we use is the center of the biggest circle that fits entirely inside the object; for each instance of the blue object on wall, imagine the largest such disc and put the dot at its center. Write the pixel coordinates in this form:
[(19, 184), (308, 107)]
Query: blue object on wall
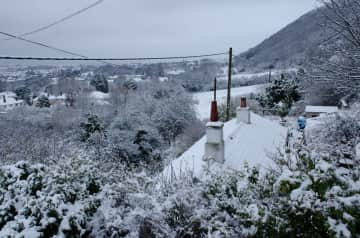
[(301, 123)]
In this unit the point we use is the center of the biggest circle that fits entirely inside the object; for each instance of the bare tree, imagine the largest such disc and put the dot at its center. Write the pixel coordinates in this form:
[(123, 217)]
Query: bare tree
[(337, 65)]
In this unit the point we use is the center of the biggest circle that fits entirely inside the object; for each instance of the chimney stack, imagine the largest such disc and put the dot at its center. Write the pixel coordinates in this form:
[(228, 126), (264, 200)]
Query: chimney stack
[(4, 98), (214, 147), (243, 112), (243, 102), (214, 116)]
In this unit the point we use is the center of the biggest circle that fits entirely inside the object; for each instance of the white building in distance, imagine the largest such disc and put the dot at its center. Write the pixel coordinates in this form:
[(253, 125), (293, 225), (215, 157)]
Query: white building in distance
[(9, 101), (314, 111)]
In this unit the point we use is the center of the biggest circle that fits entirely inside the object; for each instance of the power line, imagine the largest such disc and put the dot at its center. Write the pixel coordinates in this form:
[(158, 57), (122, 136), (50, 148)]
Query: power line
[(111, 59), (60, 20), (83, 57), (48, 46), (42, 44)]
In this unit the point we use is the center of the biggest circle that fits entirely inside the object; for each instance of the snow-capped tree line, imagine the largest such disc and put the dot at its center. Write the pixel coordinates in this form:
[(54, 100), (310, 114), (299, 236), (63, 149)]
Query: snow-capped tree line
[(137, 123)]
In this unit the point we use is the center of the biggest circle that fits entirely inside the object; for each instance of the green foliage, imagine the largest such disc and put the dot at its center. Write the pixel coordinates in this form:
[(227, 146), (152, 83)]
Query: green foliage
[(91, 126), (281, 95), (43, 101), (100, 83), (295, 222), (52, 227), (222, 108), (178, 214), (23, 93), (287, 186), (7, 214), (41, 198), (93, 186)]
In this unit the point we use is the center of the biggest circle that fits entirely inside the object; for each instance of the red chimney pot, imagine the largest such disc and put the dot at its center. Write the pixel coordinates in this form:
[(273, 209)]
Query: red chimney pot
[(214, 112), (243, 102)]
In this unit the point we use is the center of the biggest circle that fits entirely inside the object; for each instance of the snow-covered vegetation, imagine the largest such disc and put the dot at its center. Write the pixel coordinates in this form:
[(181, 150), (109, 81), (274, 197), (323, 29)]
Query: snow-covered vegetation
[(312, 192), (118, 150)]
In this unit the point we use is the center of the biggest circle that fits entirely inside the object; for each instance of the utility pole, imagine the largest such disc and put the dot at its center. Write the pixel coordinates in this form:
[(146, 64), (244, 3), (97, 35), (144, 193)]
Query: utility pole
[(270, 74), (271, 66), (215, 89), (229, 86)]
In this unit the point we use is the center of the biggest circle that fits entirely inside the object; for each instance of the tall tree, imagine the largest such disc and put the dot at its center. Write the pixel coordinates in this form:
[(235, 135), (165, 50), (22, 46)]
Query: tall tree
[(338, 64)]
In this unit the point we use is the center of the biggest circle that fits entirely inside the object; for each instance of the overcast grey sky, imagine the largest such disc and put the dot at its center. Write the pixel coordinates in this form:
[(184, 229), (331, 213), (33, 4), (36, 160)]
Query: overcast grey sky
[(134, 28)]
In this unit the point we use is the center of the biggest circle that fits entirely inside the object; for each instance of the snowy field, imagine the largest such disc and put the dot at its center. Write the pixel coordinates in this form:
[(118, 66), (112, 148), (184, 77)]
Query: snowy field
[(247, 76), (204, 99)]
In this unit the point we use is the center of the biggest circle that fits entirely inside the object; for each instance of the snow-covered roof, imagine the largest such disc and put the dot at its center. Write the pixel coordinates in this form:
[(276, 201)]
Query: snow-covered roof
[(51, 97), (10, 99), (249, 143), (8, 94), (321, 109)]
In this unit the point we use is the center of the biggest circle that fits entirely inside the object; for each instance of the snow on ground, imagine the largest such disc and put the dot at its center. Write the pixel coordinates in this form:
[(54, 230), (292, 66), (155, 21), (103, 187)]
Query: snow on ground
[(252, 75), (204, 98), (100, 97), (251, 143), (322, 109), (175, 72)]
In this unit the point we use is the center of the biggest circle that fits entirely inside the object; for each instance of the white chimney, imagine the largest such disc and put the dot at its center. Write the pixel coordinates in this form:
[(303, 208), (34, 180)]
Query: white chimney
[(214, 146), (243, 112)]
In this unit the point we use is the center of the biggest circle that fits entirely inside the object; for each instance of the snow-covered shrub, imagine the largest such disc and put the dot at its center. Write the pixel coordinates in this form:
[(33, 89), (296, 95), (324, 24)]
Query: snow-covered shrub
[(100, 83), (43, 101), (281, 95), (222, 109), (40, 201)]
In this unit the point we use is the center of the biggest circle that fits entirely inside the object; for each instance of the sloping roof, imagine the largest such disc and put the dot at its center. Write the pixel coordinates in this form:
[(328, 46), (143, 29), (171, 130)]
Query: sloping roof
[(10, 99), (321, 109), (249, 143)]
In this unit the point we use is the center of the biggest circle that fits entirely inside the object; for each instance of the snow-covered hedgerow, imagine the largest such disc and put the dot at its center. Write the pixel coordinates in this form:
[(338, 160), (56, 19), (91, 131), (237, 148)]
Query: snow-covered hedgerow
[(75, 198), (39, 201)]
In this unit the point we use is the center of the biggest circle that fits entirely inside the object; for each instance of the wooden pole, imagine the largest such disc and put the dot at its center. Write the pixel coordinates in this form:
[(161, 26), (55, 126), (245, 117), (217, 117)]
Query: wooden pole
[(269, 74), (229, 86), (215, 89)]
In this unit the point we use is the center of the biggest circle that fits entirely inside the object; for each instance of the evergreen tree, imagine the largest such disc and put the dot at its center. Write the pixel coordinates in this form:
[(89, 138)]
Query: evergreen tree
[(100, 83), (91, 126), (2, 85), (23, 93), (281, 95), (43, 101)]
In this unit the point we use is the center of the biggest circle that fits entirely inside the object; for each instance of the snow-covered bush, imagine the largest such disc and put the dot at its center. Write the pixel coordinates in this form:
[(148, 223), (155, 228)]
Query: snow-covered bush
[(43, 101), (100, 83), (39, 201), (281, 94)]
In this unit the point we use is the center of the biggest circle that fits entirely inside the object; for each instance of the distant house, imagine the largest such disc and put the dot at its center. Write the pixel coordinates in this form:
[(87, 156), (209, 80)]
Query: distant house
[(8, 101), (315, 111)]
